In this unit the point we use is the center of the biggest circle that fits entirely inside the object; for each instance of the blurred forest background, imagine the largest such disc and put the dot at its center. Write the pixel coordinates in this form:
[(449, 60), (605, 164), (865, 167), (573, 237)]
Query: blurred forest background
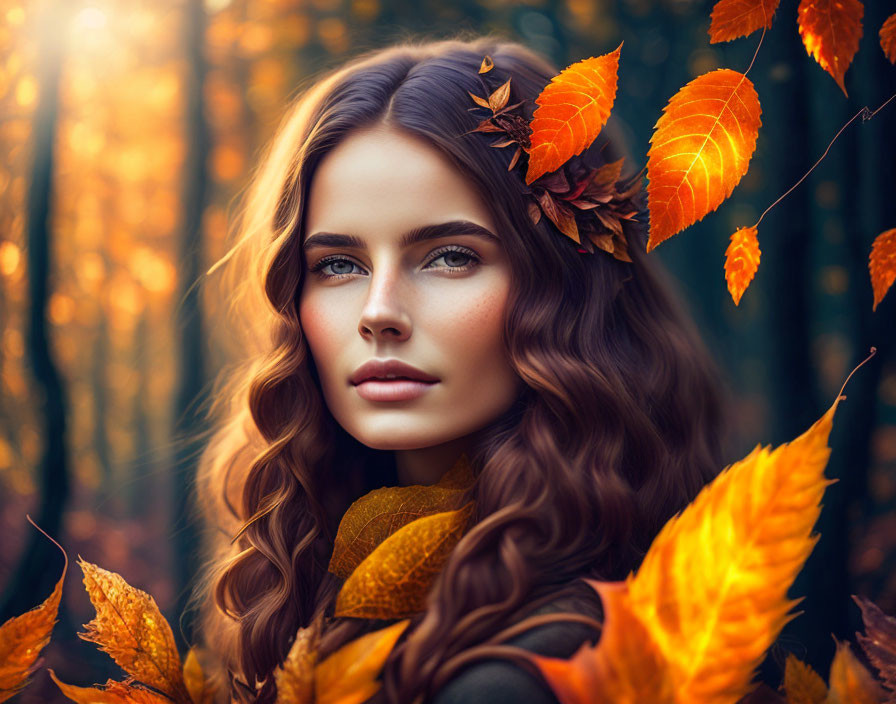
[(128, 127)]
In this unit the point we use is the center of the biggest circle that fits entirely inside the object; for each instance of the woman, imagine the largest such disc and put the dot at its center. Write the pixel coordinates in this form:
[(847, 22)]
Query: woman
[(382, 226)]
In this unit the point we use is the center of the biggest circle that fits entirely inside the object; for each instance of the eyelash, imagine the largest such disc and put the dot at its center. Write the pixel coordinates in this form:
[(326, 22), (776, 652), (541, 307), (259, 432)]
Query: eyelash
[(437, 255)]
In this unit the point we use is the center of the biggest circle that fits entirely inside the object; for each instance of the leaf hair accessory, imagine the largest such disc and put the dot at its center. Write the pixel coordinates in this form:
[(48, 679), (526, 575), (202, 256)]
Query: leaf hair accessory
[(586, 204)]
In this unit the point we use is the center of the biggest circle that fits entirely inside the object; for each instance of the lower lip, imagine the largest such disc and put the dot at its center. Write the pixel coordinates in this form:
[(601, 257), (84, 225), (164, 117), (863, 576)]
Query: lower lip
[(398, 390)]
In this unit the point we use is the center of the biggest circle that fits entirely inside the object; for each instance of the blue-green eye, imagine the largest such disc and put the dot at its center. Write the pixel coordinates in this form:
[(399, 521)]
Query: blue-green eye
[(342, 265)]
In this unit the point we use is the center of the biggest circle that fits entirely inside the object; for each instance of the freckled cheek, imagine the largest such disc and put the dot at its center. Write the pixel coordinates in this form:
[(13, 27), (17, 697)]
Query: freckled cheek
[(473, 330)]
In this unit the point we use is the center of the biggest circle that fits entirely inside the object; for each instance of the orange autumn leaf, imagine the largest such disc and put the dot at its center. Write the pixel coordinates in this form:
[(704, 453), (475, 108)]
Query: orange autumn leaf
[(701, 147), (574, 107), (112, 693), (882, 264), (295, 676), (802, 684), (349, 676), (739, 18), (23, 637), (393, 581), (130, 628), (741, 261), (831, 30), (850, 682), (198, 687), (379, 513), (888, 38)]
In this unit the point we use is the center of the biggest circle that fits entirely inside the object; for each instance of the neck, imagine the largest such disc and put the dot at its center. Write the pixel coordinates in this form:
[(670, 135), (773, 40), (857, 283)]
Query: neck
[(426, 465)]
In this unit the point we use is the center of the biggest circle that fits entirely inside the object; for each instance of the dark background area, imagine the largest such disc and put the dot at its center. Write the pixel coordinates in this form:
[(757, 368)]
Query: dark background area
[(129, 127)]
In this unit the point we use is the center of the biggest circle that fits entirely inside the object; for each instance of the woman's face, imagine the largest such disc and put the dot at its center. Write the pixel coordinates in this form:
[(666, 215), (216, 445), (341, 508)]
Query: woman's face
[(436, 302)]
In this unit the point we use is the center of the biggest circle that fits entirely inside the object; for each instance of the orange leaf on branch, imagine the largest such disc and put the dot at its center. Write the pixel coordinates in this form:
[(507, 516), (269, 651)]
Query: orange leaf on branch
[(739, 18), (831, 30), (850, 682), (569, 116), (888, 38), (882, 264), (701, 148), (741, 261), (112, 693)]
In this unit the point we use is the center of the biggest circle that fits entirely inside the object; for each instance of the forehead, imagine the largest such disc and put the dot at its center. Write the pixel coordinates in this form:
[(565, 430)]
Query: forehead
[(384, 180)]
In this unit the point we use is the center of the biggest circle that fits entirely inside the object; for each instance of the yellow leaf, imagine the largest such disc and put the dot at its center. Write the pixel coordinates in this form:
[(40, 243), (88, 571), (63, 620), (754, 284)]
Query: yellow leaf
[(712, 589), (23, 637), (393, 581), (741, 261), (295, 677), (113, 693), (802, 684), (349, 675), (131, 629), (850, 681), (700, 149), (379, 513), (198, 686)]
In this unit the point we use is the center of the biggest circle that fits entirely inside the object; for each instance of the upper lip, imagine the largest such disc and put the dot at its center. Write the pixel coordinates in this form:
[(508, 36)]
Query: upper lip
[(380, 368)]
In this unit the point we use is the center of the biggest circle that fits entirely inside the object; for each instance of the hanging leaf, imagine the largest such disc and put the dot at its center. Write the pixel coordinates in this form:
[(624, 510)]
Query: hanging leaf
[(23, 637), (879, 641), (802, 684), (888, 38), (741, 261), (574, 107), (850, 682), (882, 264), (112, 693), (295, 677), (349, 676), (701, 147), (740, 18), (393, 581), (831, 30), (199, 688), (131, 629), (379, 513)]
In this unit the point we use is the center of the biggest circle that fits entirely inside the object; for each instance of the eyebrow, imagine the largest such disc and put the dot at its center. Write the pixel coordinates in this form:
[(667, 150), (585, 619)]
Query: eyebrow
[(418, 234)]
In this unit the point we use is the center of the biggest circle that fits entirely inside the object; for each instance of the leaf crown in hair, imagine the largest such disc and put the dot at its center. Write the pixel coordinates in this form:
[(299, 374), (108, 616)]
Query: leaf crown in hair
[(587, 204)]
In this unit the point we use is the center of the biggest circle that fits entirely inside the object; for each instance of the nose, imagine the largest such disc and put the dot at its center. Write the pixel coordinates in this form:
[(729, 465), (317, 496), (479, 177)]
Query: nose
[(384, 315)]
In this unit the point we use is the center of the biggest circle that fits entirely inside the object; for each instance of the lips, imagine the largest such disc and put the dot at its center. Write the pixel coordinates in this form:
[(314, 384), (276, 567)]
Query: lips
[(389, 370)]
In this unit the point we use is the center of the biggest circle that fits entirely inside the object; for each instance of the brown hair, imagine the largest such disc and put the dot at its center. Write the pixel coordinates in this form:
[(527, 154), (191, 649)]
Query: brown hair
[(618, 427)]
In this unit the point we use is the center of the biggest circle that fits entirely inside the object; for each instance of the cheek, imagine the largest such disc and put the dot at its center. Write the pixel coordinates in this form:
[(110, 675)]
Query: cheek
[(476, 332), (319, 330)]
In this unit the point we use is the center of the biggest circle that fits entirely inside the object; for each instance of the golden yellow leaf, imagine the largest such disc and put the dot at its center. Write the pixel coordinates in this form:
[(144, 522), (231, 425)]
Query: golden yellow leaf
[(802, 684), (712, 589), (741, 261), (199, 688), (23, 637), (131, 629), (379, 513), (113, 693), (850, 681), (831, 30), (739, 18), (573, 109), (349, 675), (393, 581), (882, 265), (700, 149), (295, 677)]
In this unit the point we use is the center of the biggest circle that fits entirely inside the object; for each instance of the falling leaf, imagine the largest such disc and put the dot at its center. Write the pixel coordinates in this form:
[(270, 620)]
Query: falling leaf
[(349, 675), (882, 264), (803, 684), (113, 693), (486, 65), (393, 581), (23, 637), (850, 682), (888, 38), (879, 641), (701, 147), (831, 30), (741, 261), (295, 677), (739, 18), (573, 109), (379, 513), (199, 688), (131, 629)]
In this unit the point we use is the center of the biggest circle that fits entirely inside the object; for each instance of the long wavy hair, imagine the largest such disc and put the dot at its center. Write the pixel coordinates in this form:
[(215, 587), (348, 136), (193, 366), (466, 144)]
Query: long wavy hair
[(619, 425)]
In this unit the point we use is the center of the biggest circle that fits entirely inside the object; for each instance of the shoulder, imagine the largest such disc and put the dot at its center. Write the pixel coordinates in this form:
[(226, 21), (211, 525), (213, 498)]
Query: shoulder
[(498, 681)]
